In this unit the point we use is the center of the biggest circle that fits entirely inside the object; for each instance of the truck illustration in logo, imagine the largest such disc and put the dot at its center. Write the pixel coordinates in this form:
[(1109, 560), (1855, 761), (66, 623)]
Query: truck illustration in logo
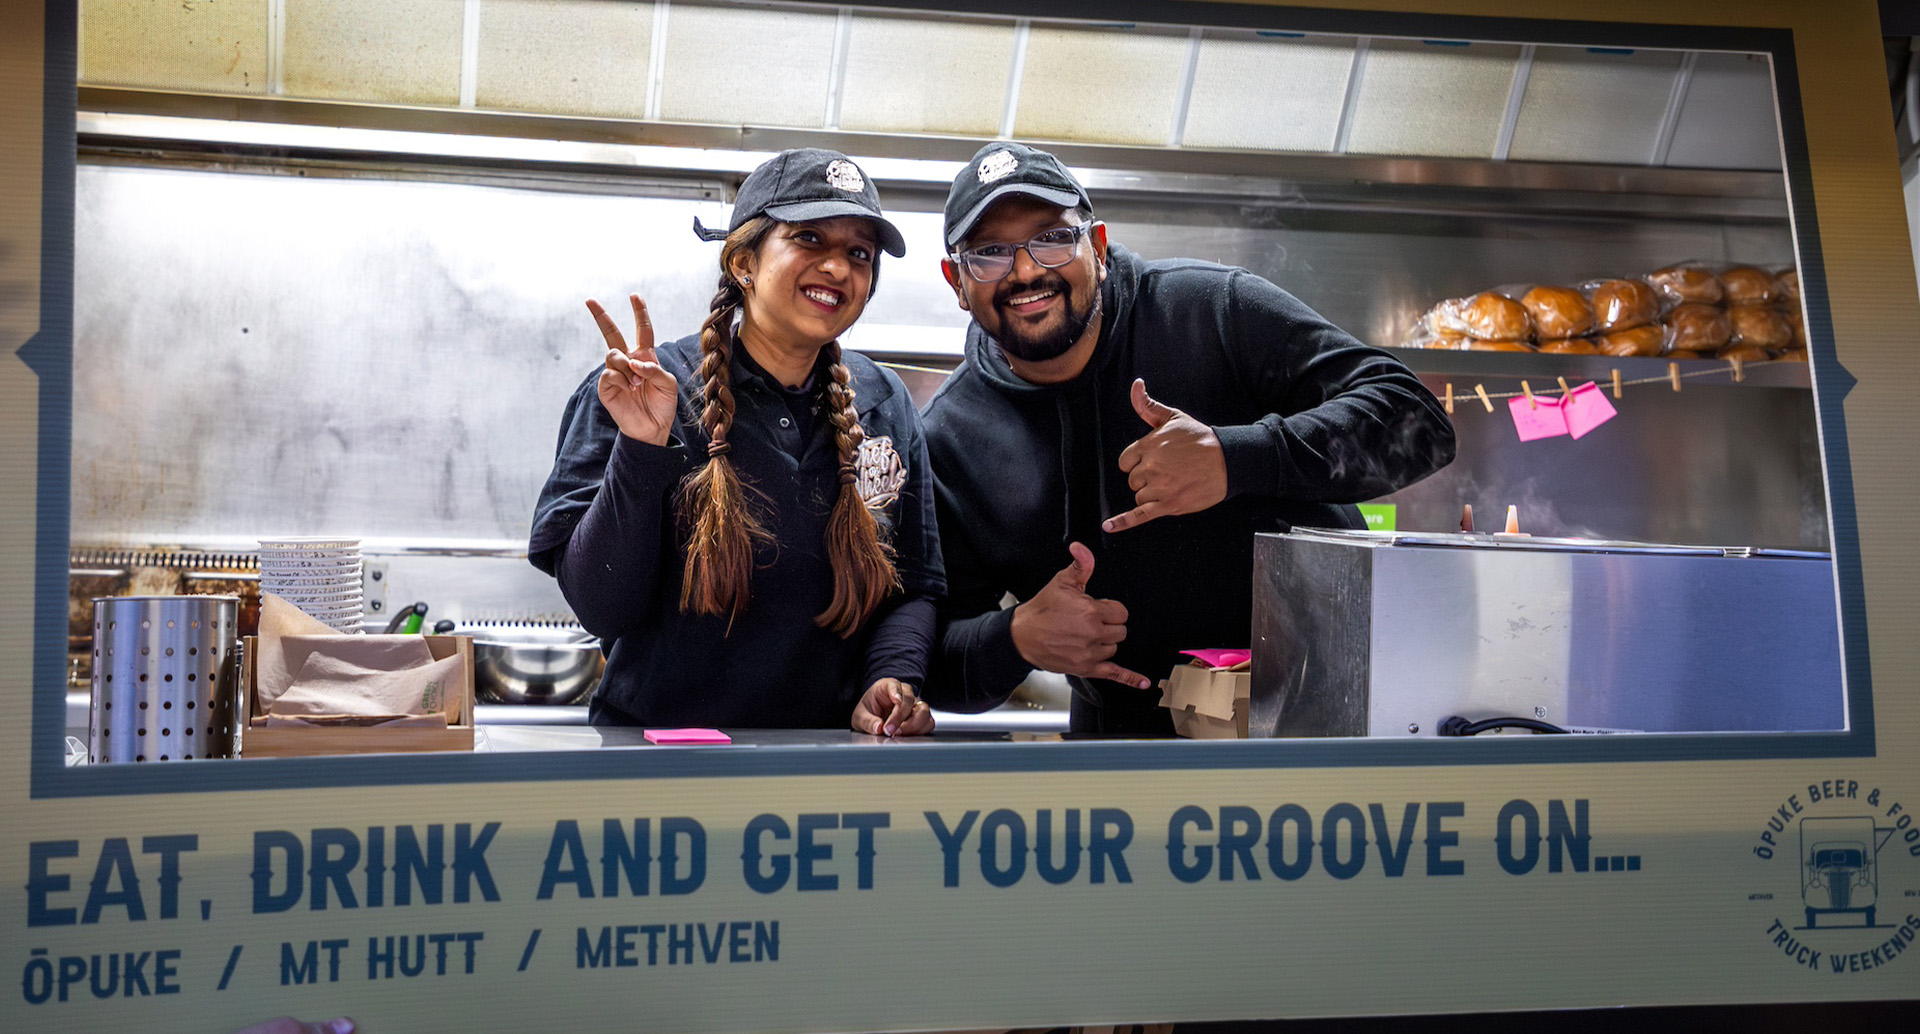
[(1838, 874)]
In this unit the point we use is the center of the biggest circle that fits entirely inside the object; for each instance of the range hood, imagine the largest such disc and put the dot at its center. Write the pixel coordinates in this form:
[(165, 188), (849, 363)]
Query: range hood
[(834, 70)]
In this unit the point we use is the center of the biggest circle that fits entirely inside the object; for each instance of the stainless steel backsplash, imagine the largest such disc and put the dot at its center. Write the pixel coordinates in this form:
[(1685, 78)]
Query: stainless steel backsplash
[(275, 353)]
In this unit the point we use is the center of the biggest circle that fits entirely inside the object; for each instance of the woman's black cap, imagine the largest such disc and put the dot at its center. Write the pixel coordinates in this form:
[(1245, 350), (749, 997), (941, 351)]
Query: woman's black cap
[(805, 184)]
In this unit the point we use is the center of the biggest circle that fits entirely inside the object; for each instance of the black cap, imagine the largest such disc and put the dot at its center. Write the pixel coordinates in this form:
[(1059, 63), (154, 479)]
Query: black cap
[(804, 184), (1008, 168)]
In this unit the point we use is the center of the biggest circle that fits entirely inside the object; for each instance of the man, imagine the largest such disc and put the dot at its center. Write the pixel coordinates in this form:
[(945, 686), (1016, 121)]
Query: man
[(1119, 431)]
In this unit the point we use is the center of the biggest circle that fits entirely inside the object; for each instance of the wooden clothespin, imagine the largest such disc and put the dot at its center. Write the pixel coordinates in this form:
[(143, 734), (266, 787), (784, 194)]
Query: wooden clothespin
[(1481, 390), (1528, 389), (1564, 390), (1448, 399), (1616, 384), (1739, 371), (1673, 375)]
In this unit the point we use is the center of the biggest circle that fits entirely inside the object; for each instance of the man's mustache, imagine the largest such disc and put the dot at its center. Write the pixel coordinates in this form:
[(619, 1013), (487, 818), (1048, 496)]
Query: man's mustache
[(1051, 282)]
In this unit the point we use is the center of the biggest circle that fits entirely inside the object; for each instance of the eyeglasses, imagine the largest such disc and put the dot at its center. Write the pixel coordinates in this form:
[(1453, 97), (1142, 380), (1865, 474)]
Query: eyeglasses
[(1052, 249)]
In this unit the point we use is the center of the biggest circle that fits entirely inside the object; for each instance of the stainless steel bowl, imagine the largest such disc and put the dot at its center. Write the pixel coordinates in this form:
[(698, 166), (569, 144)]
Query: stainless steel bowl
[(534, 665)]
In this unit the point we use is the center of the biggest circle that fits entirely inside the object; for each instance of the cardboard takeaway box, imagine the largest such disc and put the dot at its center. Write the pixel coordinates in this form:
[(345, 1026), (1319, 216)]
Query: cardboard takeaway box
[(260, 740), (1207, 697)]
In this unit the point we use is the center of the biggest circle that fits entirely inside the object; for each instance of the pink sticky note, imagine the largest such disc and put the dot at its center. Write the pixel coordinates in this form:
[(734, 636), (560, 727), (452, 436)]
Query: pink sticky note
[(671, 736), (1587, 408), (1539, 417), (1219, 658)]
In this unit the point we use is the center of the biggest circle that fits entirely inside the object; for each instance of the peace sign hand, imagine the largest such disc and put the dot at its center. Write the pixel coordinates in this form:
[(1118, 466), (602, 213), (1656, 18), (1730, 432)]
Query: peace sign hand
[(639, 394)]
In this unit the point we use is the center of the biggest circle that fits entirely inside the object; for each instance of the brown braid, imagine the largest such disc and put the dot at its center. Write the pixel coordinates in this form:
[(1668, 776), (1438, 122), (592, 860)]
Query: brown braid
[(863, 571), (712, 501)]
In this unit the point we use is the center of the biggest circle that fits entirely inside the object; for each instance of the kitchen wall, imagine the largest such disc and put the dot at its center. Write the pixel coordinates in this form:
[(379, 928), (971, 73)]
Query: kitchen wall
[(267, 352), (285, 340)]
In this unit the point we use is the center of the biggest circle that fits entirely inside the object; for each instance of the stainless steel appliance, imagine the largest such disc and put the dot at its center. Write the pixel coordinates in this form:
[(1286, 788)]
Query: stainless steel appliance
[(164, 678), (1390, 634)]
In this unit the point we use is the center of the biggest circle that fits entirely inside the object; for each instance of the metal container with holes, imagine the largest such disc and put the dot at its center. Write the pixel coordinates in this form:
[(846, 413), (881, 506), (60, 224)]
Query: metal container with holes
[(165, 685)]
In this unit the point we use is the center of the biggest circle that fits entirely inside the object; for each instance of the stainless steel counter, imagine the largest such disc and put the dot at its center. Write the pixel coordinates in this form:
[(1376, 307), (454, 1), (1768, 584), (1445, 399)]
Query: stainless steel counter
[(511, 739), (526, 721)]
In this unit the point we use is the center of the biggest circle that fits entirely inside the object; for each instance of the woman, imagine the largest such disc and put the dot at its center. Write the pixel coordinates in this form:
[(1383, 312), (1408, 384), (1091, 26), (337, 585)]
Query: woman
[(746, 515)]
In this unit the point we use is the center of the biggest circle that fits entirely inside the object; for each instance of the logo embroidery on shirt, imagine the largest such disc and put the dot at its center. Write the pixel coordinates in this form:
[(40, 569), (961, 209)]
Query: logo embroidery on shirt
[(998, 165), (844, 175), (878, 473)]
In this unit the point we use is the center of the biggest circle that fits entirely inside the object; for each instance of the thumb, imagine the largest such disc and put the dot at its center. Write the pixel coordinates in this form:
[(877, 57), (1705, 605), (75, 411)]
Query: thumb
[(1152, 412), (1076, 574)]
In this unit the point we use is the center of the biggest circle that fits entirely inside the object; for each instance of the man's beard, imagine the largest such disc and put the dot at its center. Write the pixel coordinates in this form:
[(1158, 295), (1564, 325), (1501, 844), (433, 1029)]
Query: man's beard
[(1042, 345)]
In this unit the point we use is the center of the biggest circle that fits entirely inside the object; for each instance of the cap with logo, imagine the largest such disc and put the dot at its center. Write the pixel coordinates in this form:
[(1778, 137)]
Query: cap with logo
[(804, 184), (1008, 168)]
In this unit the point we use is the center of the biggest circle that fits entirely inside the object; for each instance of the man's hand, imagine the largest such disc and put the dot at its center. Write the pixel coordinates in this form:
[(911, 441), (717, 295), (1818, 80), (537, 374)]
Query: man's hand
[(891, 708), (1062, 629), (639, 394), (1177, 468)]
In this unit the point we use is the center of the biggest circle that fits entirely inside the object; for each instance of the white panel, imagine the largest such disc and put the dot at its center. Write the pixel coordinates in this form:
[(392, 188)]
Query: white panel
[(1114, 85), (1728, 120), (220, 48), (572, 57), (765, 66), (1588, 106), (1424, 99), (1262, 92), (926, 75), (396, 51)]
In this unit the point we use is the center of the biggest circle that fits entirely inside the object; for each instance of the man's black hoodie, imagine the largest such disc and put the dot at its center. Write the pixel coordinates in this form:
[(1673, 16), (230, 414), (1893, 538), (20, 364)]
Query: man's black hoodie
[(1310, 421)]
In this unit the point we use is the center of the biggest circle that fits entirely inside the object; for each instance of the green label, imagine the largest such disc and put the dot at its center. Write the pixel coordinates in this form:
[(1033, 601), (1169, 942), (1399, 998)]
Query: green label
[(1379, 516)]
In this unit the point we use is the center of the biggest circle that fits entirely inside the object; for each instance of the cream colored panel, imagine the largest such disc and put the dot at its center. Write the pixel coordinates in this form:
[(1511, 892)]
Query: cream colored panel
[(1261, 92), (765, 66), (1727, 120), (1443, 101), (926, 75), (1107, 85), (1586, 106), (175, 44), (396, 51), (572, 57)]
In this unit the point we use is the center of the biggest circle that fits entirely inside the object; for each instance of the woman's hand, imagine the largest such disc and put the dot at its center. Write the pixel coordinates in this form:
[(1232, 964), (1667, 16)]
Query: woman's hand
[(891, 708), (639, 394)]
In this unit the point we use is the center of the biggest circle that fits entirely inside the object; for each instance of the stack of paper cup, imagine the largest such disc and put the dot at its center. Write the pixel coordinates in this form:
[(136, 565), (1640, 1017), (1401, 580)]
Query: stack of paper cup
[(320, 575)]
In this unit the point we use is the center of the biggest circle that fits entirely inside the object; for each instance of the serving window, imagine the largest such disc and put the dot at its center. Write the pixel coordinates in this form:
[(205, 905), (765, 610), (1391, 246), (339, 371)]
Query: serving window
[(352, 306)]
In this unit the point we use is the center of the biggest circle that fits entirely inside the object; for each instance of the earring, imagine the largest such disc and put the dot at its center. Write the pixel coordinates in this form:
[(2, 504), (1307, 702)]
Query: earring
[(746, 281)]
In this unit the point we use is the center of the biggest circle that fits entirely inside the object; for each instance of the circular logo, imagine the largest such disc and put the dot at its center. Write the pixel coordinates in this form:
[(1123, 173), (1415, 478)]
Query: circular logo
[(844, 175), (1840, 895), (879, 472), (998, 165)]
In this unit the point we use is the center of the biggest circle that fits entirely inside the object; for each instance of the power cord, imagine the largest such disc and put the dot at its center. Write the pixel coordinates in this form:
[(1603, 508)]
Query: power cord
[(1454, 725)]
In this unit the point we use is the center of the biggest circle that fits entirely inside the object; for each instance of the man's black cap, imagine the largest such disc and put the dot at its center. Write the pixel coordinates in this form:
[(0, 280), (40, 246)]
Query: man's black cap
[(804, 184), (1008, 168)]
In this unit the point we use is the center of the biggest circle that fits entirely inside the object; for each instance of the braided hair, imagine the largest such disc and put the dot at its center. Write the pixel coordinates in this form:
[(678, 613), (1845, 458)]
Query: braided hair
[(722, 530), (863, 571)]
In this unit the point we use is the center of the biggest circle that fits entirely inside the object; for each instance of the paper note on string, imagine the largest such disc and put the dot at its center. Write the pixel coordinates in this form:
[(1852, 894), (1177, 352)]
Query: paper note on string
[(1586, 407), (1537, 417)]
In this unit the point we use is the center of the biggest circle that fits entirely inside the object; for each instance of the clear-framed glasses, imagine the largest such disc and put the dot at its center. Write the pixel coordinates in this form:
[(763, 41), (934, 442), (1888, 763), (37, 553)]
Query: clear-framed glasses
[(1051, 249)]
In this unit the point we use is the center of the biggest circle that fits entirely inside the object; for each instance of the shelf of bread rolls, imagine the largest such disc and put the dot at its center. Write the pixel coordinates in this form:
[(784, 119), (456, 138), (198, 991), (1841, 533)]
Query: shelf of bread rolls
[(1737, 324)]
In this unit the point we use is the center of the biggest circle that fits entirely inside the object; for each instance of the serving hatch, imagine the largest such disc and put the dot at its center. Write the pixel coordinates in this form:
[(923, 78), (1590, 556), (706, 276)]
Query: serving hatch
[(1390, 634)]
